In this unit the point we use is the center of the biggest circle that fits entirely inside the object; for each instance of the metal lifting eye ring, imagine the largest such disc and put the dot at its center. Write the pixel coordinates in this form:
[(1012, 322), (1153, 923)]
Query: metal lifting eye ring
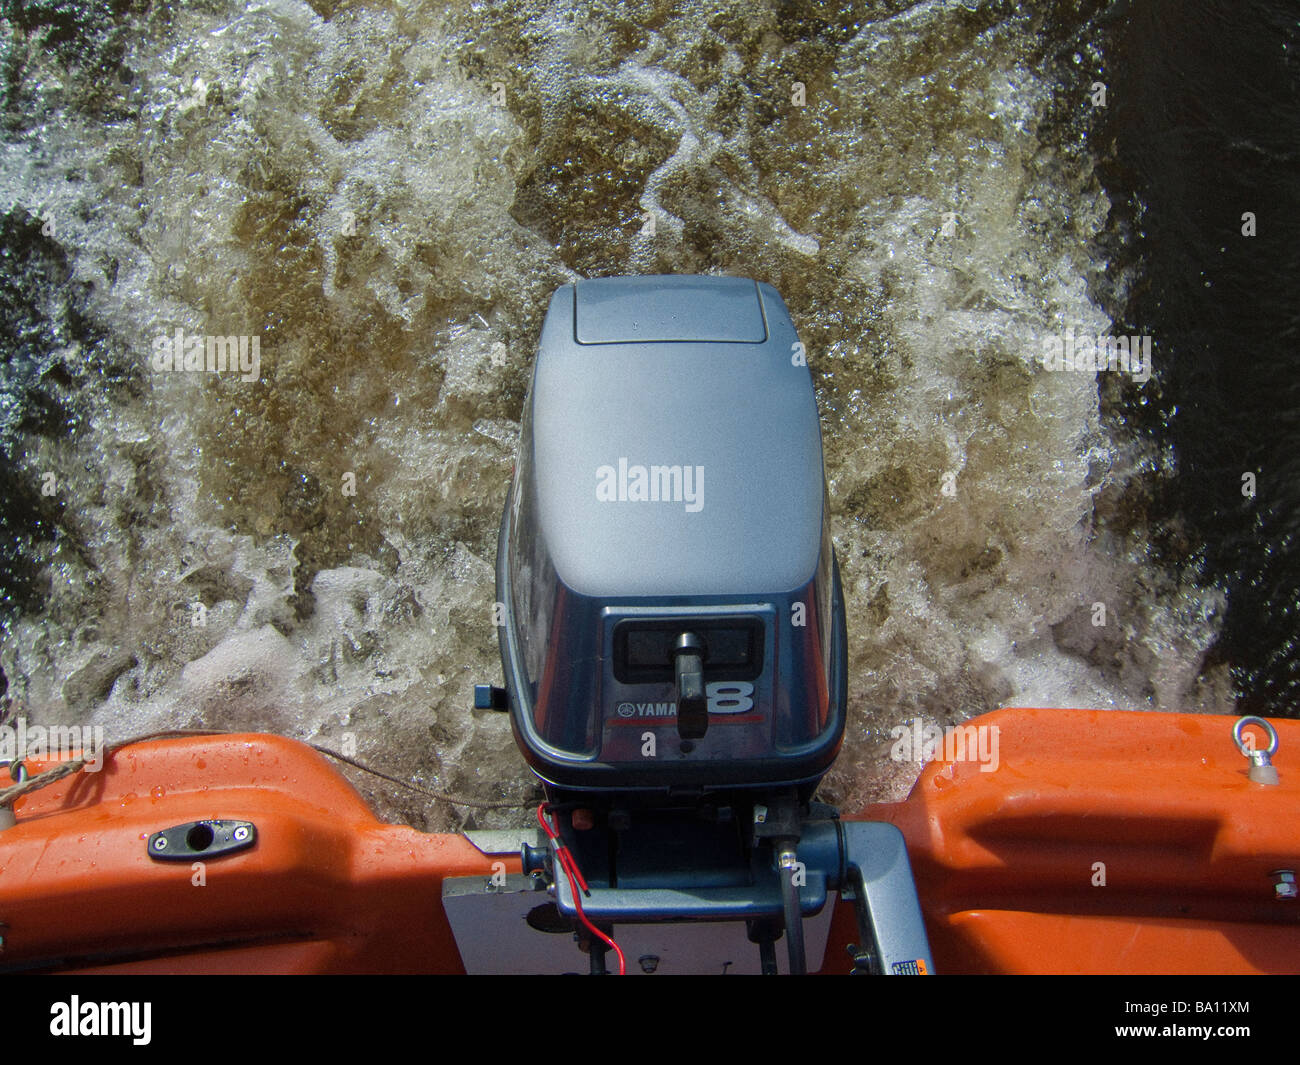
[(1238, 736)]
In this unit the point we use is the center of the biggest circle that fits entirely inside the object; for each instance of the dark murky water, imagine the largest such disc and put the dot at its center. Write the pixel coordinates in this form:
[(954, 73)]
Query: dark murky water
[(384, 197), (1205, 128)]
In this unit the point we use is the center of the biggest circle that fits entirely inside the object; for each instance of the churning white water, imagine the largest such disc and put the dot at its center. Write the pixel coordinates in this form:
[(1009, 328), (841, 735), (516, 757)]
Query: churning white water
[(384, 195)]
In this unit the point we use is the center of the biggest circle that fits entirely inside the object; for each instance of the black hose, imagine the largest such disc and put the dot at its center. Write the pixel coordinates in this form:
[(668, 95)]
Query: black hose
[(787, 866)]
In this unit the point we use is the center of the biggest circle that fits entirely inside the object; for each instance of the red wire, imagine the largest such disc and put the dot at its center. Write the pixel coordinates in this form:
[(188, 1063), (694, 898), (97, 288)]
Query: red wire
[(571, 870)]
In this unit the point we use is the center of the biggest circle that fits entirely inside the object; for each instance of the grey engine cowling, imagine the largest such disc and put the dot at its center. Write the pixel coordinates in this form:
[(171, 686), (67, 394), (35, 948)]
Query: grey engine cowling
[(673, 616)]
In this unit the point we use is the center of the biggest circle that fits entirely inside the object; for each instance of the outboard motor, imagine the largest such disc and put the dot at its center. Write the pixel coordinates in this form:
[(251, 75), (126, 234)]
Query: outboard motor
[(674, 621), (674, 640)]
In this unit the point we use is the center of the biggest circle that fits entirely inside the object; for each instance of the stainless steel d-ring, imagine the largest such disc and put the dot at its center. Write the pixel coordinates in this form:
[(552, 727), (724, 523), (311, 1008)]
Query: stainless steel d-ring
[(1238, 736)]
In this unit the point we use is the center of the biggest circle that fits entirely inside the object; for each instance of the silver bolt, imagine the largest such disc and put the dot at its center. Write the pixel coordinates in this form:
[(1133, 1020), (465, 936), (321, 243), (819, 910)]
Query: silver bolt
[(649, 962), (241, 833), (1284, 884)]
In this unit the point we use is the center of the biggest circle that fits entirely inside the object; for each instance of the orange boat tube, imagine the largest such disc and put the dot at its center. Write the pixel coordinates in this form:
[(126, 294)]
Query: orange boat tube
[(1095, 842)]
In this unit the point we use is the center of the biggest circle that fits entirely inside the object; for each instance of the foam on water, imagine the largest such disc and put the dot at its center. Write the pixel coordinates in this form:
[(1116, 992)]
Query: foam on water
[(339, 181)]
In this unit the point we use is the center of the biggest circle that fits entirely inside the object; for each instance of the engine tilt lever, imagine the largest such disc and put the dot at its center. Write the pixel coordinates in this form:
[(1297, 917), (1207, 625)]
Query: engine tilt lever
[(692, 706)]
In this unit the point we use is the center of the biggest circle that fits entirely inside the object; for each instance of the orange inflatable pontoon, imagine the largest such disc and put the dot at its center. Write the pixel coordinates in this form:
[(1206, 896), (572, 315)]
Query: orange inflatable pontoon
[(1097, 842)]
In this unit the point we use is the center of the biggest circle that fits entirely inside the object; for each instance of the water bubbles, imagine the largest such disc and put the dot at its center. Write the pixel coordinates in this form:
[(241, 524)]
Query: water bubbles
[(380, 349)]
